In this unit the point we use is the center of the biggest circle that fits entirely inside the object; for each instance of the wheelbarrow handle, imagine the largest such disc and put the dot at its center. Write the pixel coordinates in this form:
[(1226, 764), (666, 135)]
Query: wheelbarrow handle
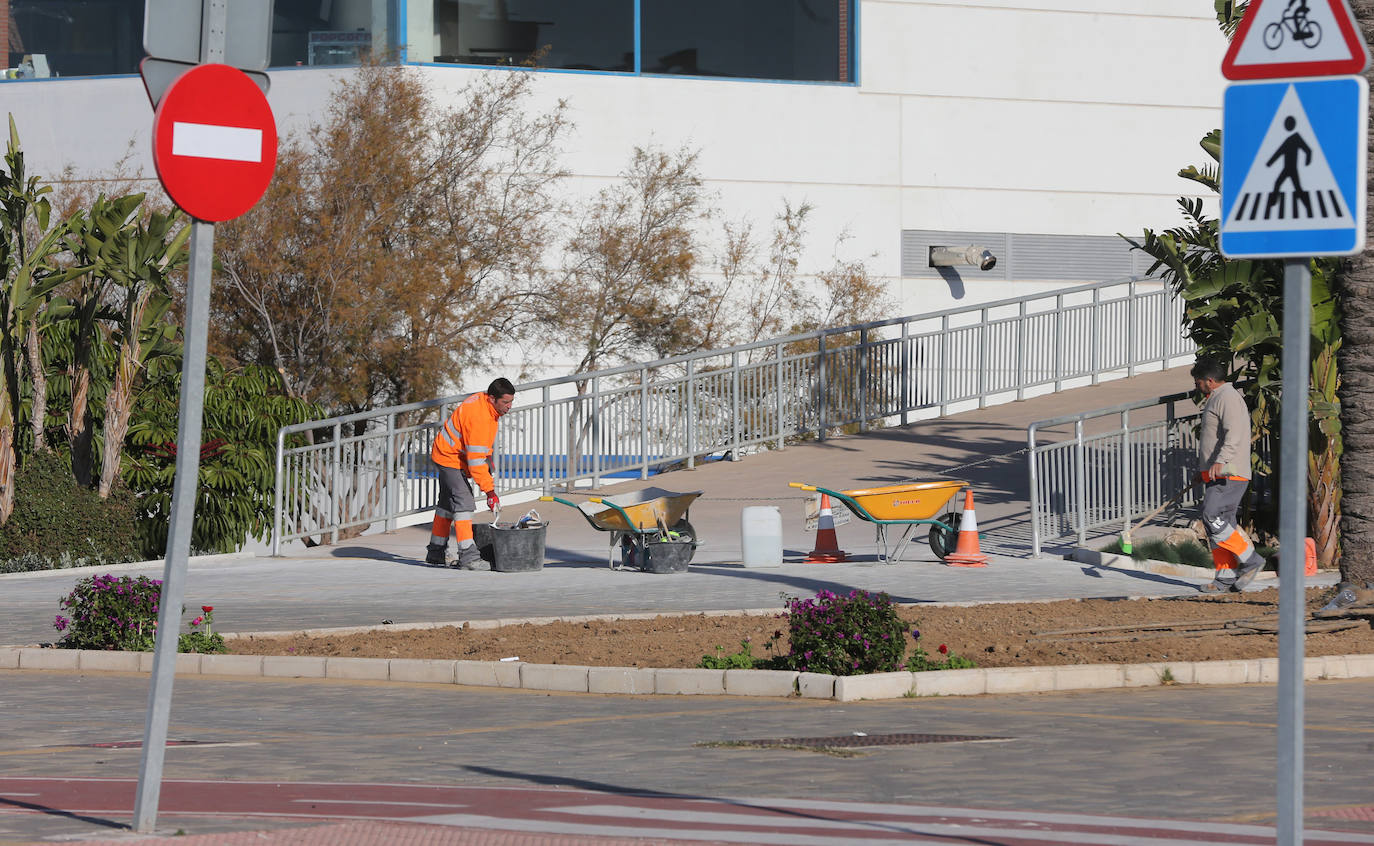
[(803, 485), (625, 515), (557, 499)]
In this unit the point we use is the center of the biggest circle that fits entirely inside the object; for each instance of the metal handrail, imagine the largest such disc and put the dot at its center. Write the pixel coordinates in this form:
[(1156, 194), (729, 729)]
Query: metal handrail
[(351, 471), (1105, 479)]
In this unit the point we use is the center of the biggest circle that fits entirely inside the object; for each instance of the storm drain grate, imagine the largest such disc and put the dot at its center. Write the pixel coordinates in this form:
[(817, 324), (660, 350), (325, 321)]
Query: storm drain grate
[(851, 741), (127, 744)]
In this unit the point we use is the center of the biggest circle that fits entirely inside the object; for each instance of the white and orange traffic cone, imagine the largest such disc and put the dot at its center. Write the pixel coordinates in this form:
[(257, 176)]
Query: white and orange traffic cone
[(966, 554), (1310, 562), (827, 545)]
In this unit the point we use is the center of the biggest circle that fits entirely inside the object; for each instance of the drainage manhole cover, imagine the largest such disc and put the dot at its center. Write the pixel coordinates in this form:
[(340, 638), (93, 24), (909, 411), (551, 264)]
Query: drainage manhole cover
[(129, 744), (851, 741)]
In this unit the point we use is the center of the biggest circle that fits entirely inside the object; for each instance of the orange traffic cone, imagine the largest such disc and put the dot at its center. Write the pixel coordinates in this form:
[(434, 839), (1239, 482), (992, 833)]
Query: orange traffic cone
[(827, 546), (1310, 565), (966, 554)]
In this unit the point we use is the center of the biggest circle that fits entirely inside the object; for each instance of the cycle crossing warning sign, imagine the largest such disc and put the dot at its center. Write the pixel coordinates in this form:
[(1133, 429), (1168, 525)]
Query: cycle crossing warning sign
[(1293, 168), (1283, 38)]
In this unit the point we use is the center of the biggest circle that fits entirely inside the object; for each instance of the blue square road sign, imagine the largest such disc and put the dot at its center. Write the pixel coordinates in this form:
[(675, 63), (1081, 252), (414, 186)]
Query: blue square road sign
[(1293, 167)]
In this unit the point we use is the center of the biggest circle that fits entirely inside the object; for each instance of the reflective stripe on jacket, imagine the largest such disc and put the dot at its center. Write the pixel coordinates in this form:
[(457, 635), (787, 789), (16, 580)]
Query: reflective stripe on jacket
[(466, 439)]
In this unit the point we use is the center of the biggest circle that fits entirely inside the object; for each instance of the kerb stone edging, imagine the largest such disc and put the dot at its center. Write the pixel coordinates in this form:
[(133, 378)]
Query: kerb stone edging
[(641, 681)]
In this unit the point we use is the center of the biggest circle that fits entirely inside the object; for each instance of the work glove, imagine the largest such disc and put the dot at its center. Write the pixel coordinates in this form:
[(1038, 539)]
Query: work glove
[(493, 501)]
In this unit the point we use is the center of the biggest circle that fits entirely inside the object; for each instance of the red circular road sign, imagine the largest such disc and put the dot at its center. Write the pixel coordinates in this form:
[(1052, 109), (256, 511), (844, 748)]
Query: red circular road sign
[(214, 142)]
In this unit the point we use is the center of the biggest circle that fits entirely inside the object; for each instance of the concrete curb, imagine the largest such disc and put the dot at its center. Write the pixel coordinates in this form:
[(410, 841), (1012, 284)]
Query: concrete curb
[(124, 568), (635, 681)]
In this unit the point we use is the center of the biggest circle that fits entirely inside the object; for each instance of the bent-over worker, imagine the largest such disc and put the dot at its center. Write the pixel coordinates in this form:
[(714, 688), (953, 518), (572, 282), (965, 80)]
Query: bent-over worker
[(462, 450)]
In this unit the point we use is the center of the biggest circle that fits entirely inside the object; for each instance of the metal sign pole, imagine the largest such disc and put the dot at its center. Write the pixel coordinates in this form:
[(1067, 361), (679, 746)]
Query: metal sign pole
[(1297, 315), (195, 328), (182, 517)]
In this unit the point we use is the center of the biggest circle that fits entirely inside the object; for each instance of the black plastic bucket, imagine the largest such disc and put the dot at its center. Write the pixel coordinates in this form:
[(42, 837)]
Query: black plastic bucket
[(668, 556), (516, 549), (482, 536)]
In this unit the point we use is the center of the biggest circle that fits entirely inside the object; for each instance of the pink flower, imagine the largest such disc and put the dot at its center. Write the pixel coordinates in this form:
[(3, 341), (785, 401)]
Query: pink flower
[(197, 621)]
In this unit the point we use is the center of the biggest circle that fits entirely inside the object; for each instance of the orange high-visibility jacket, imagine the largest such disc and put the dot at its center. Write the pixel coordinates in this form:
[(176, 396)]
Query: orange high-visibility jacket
[(466, 439)]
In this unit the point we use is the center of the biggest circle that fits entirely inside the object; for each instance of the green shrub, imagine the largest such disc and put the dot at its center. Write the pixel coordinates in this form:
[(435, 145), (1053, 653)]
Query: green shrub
[(1190, 553), (57, 524), (919, 661), (742, 660), (120, 613)]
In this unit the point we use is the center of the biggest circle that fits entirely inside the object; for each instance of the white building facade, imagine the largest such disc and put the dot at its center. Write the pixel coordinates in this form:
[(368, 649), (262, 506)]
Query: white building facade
[(1037, 129)]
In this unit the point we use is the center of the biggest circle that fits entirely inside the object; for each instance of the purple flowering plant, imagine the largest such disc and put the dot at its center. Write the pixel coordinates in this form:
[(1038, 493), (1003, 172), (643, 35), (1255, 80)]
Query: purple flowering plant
[(845, 635), (120, 613), (855, 634)]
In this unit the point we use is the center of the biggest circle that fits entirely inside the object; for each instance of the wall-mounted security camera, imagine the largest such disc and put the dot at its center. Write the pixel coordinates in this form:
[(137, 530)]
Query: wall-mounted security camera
[(949, 256)]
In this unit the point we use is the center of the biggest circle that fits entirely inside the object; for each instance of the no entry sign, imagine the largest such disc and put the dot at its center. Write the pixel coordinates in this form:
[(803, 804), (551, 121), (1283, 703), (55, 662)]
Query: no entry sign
[(214, 142)]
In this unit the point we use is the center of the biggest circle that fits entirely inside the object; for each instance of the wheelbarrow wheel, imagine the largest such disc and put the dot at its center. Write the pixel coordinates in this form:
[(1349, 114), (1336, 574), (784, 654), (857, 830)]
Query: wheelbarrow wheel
[(944, 535)]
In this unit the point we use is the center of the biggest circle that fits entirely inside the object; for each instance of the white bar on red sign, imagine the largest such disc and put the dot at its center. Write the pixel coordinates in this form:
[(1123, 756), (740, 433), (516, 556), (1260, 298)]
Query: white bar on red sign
[(208, 141)]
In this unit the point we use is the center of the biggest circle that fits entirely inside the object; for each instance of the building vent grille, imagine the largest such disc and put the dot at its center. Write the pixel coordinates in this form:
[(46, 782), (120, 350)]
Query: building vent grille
[(1020, 256)]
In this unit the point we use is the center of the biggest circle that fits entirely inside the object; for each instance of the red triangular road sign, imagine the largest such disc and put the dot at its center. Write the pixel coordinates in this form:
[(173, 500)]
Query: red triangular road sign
[(1286, 38)]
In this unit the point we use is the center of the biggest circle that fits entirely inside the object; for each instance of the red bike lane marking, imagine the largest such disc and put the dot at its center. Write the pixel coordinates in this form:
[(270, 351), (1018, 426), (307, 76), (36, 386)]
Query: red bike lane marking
[(569, 810)]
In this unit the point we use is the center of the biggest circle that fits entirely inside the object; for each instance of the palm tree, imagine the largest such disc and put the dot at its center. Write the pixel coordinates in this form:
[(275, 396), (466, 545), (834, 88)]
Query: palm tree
[(1357, 392)]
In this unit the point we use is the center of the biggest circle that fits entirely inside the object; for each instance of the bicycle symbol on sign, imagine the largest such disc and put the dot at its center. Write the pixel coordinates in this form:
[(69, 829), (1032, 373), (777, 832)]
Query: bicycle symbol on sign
[(1296, 24)]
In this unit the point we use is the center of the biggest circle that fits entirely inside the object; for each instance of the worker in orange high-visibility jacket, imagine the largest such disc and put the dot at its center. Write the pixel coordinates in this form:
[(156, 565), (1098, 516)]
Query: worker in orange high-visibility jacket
[(1223, 456), (463, 450)]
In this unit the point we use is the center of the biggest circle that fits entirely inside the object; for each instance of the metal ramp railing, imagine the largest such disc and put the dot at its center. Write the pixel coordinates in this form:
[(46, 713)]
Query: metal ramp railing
[(346, 473)]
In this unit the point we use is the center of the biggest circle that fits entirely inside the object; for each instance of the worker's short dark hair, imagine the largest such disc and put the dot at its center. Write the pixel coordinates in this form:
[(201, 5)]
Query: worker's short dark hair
[(500, 387), (1209, 368)]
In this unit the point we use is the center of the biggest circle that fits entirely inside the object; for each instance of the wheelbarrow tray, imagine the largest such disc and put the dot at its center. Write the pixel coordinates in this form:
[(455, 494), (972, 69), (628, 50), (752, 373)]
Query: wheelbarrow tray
[(638, 511), (900, 503), (908, 505), (638, 518)]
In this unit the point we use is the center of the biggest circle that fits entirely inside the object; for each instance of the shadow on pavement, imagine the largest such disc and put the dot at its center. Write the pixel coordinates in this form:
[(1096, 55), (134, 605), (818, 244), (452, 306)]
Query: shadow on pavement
[(619, 790), (55, 812), (800, 583)]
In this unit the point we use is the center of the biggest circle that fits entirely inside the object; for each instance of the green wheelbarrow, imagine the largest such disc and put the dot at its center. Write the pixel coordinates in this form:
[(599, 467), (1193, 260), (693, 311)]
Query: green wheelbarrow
[(650, 526), (908, 505)]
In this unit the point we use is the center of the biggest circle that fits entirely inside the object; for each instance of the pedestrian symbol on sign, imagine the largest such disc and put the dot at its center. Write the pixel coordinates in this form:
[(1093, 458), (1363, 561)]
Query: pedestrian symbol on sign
[(1290, 185)]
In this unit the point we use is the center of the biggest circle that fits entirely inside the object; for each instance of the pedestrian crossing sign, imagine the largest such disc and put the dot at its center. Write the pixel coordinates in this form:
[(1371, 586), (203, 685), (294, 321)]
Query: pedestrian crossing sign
[(1293, 167)]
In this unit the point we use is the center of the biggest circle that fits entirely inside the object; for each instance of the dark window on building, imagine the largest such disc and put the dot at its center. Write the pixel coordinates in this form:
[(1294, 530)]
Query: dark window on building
[(321, 32), (574, 34), (757, 39), (75, 37)]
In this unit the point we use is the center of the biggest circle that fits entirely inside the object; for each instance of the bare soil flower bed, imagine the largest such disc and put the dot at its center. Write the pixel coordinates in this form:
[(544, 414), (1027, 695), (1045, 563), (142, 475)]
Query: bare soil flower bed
[(1093, 631)]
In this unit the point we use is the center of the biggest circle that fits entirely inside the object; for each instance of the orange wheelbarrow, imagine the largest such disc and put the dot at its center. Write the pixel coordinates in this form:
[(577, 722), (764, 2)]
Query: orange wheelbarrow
[(908, 505)]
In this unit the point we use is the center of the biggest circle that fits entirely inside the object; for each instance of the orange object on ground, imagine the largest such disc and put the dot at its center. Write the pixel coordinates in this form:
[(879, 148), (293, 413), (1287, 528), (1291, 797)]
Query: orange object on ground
[(827, 545), (967, 554), (1310, 566)]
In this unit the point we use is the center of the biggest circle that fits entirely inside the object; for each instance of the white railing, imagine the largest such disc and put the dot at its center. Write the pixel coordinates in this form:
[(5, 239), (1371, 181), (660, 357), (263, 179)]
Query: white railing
[(1120, 464), (345, 473)]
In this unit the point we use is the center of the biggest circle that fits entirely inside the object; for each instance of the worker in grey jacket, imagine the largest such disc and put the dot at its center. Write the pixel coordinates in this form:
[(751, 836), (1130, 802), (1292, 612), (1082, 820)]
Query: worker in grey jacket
[(1223, 458)]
